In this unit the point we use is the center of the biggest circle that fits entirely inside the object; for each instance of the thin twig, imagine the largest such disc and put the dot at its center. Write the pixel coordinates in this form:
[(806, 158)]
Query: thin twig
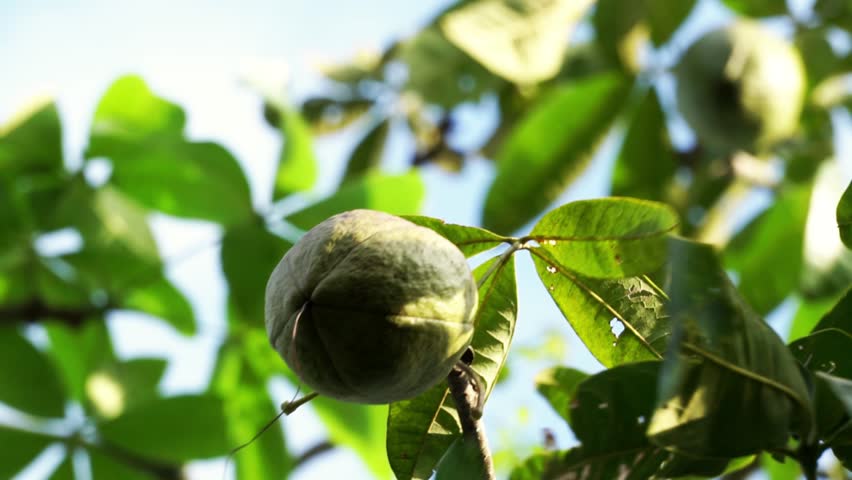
[(465, 396), (313, 452)]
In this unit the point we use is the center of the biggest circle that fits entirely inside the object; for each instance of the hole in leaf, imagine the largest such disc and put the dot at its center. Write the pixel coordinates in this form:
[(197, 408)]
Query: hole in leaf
[(617, 327)]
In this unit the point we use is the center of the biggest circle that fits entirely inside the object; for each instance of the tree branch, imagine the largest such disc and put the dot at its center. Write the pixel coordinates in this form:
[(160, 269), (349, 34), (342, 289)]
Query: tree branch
[(466, 398), (36, 310)]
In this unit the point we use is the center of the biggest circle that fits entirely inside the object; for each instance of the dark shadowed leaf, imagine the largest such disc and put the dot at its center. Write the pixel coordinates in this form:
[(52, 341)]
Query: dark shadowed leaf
[(608, 237), (839, 317), (729, 386), (523, 42), (646, 163), (19, 449), (105, 467), (842, 387), (297, 166), (619, 321), (175, 429), (549, 148), (757, 8), (776, 237), (558, 385), (470, 240), (28, 380), (396, 194), (844, 217), (420, 430), (249, 254), (367, 155)]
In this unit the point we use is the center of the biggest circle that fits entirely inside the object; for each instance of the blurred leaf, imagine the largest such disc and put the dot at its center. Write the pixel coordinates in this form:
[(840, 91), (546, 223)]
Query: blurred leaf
[(105, 467), (775, 237), (646, 163), (522, 41), (463, 461), (729, 386), (808, 315), (249, 254), (78, 351), (844, 217), (367, 155), (297, 166), (607, 237), (775, 470), (609, 414), (395, 194), (842, 387), (470, 240), (19, 449), (420, 430), (558, 385), (549, 148), (163, 300), (122, 385), (175, 429), (361, 428), (817, 54), (621, 32), (619, 321), (837, 12), (665, 17), (839, 317), (757, 8), (28, 380), (328, 115), (31, 142), (65, 470)]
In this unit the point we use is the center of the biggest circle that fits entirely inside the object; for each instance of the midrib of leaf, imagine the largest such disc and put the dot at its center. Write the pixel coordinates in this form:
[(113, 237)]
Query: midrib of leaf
[(576, 281), (605, 238), (488, 293), (746, 373)]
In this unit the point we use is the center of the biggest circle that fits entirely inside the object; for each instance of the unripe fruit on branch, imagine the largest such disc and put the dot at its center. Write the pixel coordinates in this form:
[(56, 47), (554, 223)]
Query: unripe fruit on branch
[(371, 308), (741, 88)]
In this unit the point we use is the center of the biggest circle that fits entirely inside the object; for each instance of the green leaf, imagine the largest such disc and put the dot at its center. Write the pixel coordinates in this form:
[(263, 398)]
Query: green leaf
[(175, 429), (523, 42), (757, 8), (665, 17), (328, 115), (839, 317), (297, 166), (31, 142), (619, 321), (609, 414), (122, 385), (358, 427), (78, 351), (395, 194), (558, 385), (367, 155), (420, 430), (463, 461), (729, 387), (163, 300), (608, 237), (470, 240), (249, 254), (837, 12), (19, 449), (787, 470), (549, 147), (65, 470), (193, 180), (105, 467), (28, 380), (646, 163), (775, 237), (844, 217), (808, 316), (842, 387)]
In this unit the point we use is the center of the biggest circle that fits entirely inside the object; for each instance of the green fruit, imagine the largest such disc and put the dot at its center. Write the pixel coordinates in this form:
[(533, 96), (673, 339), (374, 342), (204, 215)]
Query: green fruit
[(370, 308), (741, 87)]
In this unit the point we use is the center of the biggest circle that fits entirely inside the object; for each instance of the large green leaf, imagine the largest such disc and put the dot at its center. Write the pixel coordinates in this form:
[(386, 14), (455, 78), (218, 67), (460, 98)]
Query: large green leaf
[(470, 240), (118, 386), (646, 163), (549, 148), (842, 387), (160, 298), (175, 429), (367, 155), (619, 321), (31, 142), (558, 385), (609, 414), (608, 237), (28, 380), (78, 351), (463, 461), (297, 167), (361, 428), (729, 387), (106, 467), (396, 194), (522, 41), (758, 8), (420, 430), (19, 449), (776, 238), (65, 470), (839, 317), (844, 217), (665, 17), (249, 254)]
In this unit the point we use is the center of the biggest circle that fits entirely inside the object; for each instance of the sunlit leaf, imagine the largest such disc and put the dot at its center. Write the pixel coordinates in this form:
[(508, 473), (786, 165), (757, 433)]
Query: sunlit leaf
[(470, 240), (775, 470), (395, 194), (175, 429), (549, 148), (646, 163), (297, 166), (844, 217), (420, 430), (523, 42), (367, 155), (28, 380), (78, 351), (19, 449), (729, 387), (608, 237), (118, 386), (558, 385), (757, 8), (361, 428), (31, 142)]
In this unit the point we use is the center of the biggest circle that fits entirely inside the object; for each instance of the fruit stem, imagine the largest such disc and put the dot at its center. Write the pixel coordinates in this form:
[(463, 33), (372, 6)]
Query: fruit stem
[(473, 428)]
